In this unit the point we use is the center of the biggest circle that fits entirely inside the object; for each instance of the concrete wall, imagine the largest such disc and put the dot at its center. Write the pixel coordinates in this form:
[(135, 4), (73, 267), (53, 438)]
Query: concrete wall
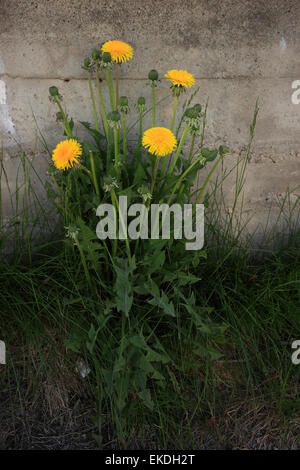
[(237, 49)]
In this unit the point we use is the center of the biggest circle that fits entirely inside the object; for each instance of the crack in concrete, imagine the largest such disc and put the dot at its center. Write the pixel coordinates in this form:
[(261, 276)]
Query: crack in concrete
[(68, 79)]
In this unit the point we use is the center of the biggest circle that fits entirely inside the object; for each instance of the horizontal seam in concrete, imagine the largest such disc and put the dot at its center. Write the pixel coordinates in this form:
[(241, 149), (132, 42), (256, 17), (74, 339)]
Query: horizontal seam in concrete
[(235, 77)]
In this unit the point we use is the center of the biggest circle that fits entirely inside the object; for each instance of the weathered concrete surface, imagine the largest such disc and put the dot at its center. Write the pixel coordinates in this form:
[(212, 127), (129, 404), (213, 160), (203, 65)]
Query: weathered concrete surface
[(238, 51)]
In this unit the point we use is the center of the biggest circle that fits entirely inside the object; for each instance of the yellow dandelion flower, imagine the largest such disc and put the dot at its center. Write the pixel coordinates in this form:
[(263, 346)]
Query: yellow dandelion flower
[(159, 141), (66, 154), (180, 78), (119, 51)]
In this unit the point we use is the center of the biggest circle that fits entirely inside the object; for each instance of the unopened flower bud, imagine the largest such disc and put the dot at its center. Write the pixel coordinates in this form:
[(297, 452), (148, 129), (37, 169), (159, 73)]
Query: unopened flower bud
[(53, 90), (191, 117), (153, 75), (145, 193), (141, 104), (153, 79), (72, 231), (114, 119), (105, 60), (109, 183), (96, 54), (123, 101), (123, 104), (54, 94), (191, 113), (87, 63), (198, 108)]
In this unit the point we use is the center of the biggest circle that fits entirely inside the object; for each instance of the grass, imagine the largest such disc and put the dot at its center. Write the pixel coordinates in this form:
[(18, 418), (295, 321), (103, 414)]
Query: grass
[(253, 379)]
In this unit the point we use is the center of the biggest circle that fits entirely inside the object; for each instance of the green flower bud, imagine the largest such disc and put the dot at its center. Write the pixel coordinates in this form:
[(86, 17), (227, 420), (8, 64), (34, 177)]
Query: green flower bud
[(123, 104), (141, 101), (114, 119), (114, 116), (96, 54), (198, 108), (145, 193), (123, 101), (191, 113), (191, 117), (141, 104), (153, 75), (53, 90), (72, 231), (109, 183), (87, 63)]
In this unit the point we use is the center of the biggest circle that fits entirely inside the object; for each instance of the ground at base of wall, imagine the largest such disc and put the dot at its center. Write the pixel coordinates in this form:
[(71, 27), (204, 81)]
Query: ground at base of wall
[(27, 425)]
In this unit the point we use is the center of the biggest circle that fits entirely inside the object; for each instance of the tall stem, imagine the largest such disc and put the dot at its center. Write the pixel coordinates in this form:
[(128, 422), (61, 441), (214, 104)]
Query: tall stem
[(192, 149), (86, 271), (124, 138), (116, 144), (174, 112), (153, 106), (141, 128), (93, 101), (66, 125), (94, 174), (180, 179), (102, 107), (207, 180), (117, 85), (116, 203), (179, 148), (110, 84), (154, 174)]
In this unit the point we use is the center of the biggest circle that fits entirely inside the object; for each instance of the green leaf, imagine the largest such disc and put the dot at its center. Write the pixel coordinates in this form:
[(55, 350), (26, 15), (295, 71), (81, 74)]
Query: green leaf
[(145, 396), (123, 285), (210, 155), (140, 175), (163, 303), (98, 137)]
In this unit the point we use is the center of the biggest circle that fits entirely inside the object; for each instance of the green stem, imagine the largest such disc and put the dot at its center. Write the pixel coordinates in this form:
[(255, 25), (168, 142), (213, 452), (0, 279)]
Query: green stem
[(154, 174), (192, 149), (110, 84), (94, 174), (115, 200), (65, 120), (86, 271), (207, 180), (116, 144), (93, 101), (86, 170), (174, 112), (153, 106), (141, 128), (117, 85), (164, 164), (124, 138), (102, 107), (173, 191), (179, 148)]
